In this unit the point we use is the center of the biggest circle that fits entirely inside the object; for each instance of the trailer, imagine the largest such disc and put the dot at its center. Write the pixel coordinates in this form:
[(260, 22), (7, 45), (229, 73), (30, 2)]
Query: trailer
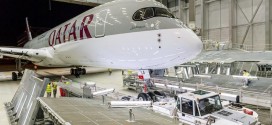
[(133, 82)]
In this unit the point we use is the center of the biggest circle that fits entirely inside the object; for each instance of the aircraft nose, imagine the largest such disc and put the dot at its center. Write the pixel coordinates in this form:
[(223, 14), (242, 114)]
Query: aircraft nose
[(184, 42), (192, 43), (177, 46)]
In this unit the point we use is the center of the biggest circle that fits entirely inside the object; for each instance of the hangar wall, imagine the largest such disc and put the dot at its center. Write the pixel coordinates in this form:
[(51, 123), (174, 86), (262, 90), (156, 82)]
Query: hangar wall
[(243, 23)]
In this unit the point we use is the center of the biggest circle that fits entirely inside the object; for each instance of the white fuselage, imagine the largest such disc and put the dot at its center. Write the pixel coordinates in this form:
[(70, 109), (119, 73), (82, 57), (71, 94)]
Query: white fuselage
[(105, 37)]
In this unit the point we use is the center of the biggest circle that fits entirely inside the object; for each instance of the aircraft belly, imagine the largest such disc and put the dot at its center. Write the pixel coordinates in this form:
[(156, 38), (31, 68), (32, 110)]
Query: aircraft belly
[(138, 50), (132, 50)]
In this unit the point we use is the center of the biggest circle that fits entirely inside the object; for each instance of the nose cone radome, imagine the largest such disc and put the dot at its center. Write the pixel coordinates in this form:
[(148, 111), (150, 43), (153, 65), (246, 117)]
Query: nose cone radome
[(189, 46), (178, 46), (197, 44), (190, 42)]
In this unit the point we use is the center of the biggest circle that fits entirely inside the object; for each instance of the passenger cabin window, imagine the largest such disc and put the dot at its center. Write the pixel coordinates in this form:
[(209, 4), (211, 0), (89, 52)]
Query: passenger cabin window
[(150, 12)]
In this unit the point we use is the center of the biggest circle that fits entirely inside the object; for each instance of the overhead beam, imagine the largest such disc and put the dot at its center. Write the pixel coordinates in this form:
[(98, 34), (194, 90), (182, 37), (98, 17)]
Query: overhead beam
[(91, 3)]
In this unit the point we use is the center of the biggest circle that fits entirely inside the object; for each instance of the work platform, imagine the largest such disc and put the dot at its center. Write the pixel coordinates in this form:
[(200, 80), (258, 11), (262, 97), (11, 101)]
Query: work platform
[(115, 80), (256, 93), (29, 107), (229, 56), (80, 111)]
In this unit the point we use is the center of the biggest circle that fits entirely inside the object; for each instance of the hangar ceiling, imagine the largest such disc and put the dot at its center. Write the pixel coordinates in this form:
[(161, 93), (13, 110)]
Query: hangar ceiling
[(91, 3)]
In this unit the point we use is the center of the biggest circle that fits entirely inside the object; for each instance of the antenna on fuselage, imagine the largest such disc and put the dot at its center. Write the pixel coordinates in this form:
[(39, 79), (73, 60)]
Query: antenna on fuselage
[(28, 30)]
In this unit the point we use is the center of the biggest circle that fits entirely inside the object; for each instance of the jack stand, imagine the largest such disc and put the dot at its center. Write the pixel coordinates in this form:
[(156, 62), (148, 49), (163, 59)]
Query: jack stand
[(19, 67), (270, 106), (103, 100), (175, 115), (131, 116)]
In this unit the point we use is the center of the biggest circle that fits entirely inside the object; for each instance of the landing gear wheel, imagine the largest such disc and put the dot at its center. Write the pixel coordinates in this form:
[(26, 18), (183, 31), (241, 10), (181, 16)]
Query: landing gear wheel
[(83, 71), (20, 74), (79, 71), (152, 96), (14, 76), (160, 93), (72, 71), (143, 97)]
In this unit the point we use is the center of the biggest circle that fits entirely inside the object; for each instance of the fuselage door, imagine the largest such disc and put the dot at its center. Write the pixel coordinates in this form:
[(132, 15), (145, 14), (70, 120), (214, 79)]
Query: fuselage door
[(100, 23)]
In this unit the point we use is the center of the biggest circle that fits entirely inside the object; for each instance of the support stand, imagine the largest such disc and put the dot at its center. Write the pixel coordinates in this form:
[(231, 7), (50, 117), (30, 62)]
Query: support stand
[(131, 116), (270, 106), (103, 100)]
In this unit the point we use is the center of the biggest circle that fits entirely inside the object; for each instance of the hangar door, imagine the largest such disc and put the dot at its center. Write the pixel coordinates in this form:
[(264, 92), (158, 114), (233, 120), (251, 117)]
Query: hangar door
[(100, 23)]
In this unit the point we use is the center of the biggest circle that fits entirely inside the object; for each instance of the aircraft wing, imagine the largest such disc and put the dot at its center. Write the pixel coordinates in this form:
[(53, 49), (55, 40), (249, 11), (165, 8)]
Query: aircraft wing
[(229, 56), (34, 55)]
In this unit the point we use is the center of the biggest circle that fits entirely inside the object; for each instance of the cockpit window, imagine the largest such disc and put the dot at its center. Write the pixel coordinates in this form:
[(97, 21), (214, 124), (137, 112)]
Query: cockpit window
[(150, 12), (143, 14), (163, 13)]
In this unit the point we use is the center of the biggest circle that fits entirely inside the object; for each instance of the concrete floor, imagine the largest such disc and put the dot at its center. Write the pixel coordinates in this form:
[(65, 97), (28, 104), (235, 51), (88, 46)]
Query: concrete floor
[(7, 90), (98, 75), (9, 87), (104, 80)]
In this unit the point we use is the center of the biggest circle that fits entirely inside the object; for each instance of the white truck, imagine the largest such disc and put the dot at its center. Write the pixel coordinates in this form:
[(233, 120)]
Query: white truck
[(194, 108), (205, 108)]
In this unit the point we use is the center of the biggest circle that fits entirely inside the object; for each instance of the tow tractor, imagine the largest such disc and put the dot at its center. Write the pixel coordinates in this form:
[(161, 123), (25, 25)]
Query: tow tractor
[(204, 107), (199, 107)]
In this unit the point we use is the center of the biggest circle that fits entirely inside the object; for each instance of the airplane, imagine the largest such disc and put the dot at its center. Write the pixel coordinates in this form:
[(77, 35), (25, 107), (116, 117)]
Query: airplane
[(122, 34)]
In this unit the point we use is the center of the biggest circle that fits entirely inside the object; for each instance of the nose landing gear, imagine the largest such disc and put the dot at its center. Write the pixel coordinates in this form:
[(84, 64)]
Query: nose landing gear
[(15, 76), (77, 72)]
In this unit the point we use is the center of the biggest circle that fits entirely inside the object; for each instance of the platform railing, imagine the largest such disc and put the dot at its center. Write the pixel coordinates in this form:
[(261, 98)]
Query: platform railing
[(249, 97), (214, 45), (86, 2), (246, 47)]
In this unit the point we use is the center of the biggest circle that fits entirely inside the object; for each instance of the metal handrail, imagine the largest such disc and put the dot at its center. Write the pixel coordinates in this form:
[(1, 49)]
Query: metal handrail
[(259, 47), (264, 101), (210, 44)]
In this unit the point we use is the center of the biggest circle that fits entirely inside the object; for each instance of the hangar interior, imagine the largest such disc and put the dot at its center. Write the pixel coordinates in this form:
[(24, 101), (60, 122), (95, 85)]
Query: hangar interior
[(229, 29), (236, 22)]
